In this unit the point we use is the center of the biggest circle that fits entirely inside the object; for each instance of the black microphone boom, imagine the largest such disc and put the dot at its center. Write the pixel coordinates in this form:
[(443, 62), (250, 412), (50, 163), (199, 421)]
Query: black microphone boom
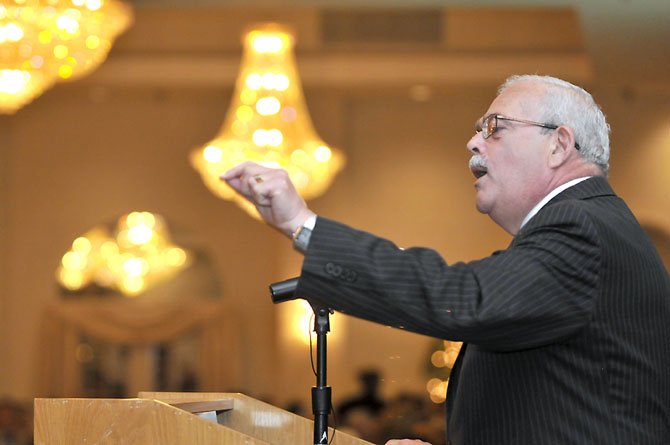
[(282, 291)]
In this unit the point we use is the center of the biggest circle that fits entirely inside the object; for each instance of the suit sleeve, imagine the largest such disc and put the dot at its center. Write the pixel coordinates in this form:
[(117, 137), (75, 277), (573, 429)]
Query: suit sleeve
[(540, 290)]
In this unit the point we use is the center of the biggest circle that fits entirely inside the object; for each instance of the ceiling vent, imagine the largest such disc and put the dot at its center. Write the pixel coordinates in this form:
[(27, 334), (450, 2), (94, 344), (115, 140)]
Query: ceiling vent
[(378, 27)]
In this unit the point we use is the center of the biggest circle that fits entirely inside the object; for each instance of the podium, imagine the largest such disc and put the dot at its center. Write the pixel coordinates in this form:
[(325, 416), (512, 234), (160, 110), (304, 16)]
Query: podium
[(163, 418)]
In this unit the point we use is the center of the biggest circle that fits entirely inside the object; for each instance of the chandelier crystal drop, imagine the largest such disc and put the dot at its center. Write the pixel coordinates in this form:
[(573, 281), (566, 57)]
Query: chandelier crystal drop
[(268, 122), (46, 41)]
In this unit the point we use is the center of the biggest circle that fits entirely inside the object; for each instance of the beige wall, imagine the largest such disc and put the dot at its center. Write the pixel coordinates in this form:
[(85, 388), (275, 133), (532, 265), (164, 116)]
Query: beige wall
[(5, 156)]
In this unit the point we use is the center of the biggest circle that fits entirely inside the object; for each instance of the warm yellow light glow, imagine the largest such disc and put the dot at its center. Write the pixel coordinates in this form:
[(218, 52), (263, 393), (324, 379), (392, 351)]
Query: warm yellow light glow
[(140, 219), (93, 5), (74, 260), (109, 249), (263, 137), (92, 42), (297, 323), (132, 285), (267, 106), (267, 43), (11, 32), (254, 81), (67, 23), (71, 279), (135, 267), (302, 320), (53, 40), (213, 154), (65, 71), (12, 81), (245, 113), (439, 359), (60, 51), (136, 256), (437, 388), (274, 81), (175, 256), (268, 122), (81, 245), (140, 234), (322, 153)]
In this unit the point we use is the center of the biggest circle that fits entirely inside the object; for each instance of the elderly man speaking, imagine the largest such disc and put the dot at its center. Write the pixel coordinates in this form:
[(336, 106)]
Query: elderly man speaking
[(566, 332)]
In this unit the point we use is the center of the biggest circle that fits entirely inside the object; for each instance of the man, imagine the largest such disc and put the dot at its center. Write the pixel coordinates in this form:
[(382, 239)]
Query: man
[(567, 331)]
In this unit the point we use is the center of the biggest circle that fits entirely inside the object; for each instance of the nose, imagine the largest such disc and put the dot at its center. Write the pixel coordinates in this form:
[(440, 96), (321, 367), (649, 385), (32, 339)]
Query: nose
[(475, 142)]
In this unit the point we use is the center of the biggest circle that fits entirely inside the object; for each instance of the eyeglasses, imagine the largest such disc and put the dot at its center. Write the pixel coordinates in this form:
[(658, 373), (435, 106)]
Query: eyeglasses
[(489, 125)]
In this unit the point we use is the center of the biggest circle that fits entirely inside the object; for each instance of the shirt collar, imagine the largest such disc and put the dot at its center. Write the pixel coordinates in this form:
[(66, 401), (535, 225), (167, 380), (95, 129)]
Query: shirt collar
[(548, 198)]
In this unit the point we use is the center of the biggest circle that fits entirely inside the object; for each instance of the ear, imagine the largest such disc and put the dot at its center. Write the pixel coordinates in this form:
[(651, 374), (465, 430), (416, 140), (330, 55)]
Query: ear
[(563, 146)]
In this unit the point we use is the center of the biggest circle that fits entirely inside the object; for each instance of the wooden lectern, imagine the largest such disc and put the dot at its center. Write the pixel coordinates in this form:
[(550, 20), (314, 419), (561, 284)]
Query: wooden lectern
[(173, 419)]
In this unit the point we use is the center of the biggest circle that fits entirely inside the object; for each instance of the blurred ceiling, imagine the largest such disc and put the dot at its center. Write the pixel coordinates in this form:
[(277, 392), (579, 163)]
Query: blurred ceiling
[(627, 40)]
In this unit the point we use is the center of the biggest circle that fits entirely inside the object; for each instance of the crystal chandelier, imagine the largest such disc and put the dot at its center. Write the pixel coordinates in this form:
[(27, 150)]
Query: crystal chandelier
[(268, 122), (45, 41), (136, 255)]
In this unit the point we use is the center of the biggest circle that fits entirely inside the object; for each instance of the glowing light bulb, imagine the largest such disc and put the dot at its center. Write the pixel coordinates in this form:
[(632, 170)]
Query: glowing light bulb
[(268, 44), (135, 267), (254, 81), (81, 245), (67, 23), (244, 113), (92, 42), (13, 81), (274, 137), (61, 51), (11, 33), (93, 5), (267, 106), (322, 153), (213, 154), (140, 234)]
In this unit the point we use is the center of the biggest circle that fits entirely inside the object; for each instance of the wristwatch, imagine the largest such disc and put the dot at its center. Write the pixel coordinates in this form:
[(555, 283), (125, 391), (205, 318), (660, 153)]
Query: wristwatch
[(303, 233)]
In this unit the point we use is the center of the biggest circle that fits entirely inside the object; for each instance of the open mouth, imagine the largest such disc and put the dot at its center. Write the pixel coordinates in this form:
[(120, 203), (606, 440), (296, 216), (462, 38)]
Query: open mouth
[(478, 166), (478, 171)]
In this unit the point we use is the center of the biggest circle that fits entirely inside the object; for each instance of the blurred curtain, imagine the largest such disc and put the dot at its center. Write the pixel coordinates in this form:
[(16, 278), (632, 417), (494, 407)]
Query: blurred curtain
[(139, 325)]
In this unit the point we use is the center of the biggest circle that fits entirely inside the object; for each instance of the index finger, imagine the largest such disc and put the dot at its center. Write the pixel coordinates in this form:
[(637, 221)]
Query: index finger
[(239, 170)]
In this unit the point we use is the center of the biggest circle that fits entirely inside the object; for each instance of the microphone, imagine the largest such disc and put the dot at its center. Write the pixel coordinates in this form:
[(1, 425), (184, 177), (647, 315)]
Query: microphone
[(282, 291)]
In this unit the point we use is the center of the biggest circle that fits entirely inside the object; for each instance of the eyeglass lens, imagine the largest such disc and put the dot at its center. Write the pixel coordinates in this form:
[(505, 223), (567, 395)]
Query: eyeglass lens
[(490, 125)]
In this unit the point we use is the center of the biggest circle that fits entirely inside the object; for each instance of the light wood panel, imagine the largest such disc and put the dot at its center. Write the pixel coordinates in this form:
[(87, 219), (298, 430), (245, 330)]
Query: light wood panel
[(259, 419), (151, 419), (128, 422)]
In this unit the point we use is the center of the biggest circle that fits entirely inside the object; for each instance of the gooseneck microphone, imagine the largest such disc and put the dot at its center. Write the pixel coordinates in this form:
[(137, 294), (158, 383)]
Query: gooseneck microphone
[(282, 291)]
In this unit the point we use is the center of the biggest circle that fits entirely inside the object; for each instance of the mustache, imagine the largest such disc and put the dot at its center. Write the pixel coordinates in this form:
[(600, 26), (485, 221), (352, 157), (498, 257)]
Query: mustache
[(479, 162)]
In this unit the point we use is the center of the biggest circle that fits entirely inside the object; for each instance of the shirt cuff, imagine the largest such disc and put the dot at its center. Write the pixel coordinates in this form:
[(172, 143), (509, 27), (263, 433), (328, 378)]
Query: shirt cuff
[(303, 234)]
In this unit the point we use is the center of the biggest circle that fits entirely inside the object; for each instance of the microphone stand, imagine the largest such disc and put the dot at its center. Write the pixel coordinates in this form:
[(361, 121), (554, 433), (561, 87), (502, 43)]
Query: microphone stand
[(321, 393)]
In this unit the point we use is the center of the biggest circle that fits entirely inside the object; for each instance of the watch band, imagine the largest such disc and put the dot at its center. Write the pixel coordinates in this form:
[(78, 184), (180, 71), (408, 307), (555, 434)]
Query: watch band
[(303, 234)]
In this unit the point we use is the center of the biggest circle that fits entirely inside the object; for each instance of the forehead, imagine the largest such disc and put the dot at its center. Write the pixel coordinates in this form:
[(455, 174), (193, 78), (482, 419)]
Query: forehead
[(519, 100)]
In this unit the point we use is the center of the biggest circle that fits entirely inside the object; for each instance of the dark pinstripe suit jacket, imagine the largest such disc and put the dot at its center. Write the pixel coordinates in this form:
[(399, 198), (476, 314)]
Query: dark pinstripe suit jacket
[(567, 330)]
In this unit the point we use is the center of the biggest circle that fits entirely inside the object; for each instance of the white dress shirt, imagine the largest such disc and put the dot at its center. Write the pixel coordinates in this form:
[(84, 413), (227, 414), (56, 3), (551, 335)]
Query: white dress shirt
[(548, 198)]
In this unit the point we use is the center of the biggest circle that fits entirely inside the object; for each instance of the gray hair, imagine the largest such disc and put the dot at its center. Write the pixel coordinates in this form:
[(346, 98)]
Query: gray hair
[(572, 106)]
